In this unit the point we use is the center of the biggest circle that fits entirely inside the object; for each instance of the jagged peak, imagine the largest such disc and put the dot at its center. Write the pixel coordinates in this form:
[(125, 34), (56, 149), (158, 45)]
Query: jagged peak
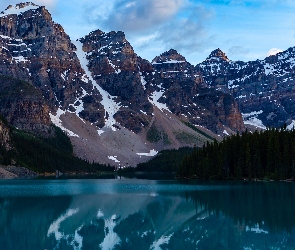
[(218, 55), (170, 56), (95, 33), (19, 8), (170, 52), (99, 34)]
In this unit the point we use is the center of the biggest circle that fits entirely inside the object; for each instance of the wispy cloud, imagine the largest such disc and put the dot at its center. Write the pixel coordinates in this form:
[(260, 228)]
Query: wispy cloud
[(134, 16), (178, 24), (252, 2), (188, 33), (238, 50)]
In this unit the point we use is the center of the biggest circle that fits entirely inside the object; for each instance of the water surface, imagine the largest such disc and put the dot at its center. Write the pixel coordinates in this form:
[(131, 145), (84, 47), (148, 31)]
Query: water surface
[(146, 214)]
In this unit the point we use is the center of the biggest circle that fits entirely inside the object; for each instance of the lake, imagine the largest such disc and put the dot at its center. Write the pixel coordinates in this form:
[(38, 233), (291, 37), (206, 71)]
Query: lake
[(146, 214)]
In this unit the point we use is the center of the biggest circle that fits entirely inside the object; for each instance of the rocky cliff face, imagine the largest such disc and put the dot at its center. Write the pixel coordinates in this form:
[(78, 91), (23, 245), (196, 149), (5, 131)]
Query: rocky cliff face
[(5, 140), (23, 105), (179, 88), (171, 64), (114, 66), (263, 88), (37, 50)]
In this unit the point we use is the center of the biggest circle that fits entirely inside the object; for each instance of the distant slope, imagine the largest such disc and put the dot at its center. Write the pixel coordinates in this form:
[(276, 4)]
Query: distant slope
[(264, 89)]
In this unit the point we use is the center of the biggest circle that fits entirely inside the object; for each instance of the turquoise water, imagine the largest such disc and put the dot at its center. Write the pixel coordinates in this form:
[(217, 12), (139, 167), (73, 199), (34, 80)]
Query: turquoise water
[(146, 214)]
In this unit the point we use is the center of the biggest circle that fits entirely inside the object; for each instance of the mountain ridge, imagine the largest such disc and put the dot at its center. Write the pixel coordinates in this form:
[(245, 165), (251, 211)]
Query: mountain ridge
[(263, 88), (117, 107)]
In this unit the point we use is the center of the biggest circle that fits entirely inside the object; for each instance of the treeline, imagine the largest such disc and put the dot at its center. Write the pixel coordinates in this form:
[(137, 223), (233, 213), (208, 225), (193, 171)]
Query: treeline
[(268, 154), (43, 154)]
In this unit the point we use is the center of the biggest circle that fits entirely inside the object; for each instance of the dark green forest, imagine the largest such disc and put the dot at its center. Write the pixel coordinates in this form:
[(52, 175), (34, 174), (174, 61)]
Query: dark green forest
[(267, 154), (43, 154)]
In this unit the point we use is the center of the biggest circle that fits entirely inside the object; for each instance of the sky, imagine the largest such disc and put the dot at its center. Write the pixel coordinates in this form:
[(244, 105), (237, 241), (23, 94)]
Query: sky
[(244, 29)]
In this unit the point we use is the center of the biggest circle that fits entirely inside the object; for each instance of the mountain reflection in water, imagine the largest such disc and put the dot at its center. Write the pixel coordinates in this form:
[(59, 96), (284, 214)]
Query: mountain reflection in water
[(143, 214)]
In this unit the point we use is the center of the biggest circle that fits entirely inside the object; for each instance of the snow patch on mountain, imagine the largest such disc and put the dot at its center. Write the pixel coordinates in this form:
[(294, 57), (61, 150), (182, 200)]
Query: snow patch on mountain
[(113, 158), (269, 69), (170, 61), (18, 9), (154, 99), (291, 125), (252, 119), (78, 104), (143, 81), (255, 122), (19, 59), (151, 153), (55, 119), (110, 106), (100, 131), (17, 47), (254, 113), (117, 70), (231, 85), (6, 37), (225, 132)]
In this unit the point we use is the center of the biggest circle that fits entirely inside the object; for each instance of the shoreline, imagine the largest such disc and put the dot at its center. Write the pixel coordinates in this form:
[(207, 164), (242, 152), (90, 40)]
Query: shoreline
[(13, 172)]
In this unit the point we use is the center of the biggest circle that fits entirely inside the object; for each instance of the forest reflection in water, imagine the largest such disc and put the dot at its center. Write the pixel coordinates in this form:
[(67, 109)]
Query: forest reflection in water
[(143, 214)]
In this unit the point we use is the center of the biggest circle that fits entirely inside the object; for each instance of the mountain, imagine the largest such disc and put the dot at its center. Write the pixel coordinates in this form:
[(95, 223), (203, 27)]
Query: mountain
[(116, 107), (217, 56), (113, 67), (37, 51), (264, 89), (173, 65), (183, 91)]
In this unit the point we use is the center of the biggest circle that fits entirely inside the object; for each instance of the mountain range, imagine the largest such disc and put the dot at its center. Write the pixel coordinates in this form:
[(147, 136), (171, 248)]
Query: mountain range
[(120, 109)]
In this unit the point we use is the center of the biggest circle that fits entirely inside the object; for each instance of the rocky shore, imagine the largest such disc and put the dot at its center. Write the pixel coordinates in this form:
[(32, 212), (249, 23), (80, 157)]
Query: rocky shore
[(12, 172)]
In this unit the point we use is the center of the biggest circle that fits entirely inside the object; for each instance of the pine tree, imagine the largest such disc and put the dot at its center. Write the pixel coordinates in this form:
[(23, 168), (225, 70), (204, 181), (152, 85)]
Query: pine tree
[(270, 153), (248, 164)]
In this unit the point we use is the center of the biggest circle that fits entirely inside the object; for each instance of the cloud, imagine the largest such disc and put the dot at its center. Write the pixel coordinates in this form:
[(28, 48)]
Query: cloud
[(133, 16), (155, 24), (46, 3), (249, 2), (188, 33), (274, 51), (238, 50)]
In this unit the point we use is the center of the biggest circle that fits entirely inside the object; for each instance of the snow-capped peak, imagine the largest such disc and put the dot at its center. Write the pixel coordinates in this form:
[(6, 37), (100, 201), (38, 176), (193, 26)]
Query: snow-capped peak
[(218, 55), (171, 56), (19, 9)]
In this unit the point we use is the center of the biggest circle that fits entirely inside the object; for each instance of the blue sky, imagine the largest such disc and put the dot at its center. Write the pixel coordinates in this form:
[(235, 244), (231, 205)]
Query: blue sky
[(244, 30)]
